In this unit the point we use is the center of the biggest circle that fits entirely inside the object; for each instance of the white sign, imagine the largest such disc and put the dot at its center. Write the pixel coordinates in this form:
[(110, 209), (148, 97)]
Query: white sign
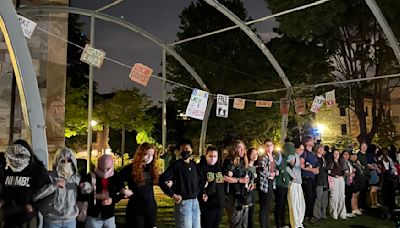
[(141, 73), (93, 56), (317, 103), (330, 99), (239, 103), (222, 106), (27, 26), (197, 104)]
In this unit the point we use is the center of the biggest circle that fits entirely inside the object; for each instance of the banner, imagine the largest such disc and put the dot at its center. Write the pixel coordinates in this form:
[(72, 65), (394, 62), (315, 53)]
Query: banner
[(300, 106), (27, 26), (330, 99), (140, 74), (197, 104), (239, 103), (263, 104), (222, 106), (317, 103), (284, 107), (92, 56)]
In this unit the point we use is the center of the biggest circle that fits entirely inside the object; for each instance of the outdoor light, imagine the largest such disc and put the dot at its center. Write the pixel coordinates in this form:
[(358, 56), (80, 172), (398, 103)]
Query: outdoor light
[(278, 148), (93, 123), (321, 127), (261, 150)]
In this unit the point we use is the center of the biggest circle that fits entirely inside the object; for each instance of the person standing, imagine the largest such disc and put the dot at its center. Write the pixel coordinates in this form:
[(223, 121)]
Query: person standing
[(358, 183), (267, 173), (60, 211), (213, 199), (183, 182), (389, 178), (336, 170), (295, 196), (321, 202), (374, 172), (141, 176), (252, 156), (362, 158), (282, 183), (309, 168), (24, 176)]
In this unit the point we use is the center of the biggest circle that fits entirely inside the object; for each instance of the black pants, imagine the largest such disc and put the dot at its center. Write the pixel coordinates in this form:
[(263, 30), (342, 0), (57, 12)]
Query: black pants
[(280, 206), (141, 216), (348, 189), (309, 186), (210, 216), (265, 205), (251, 209), (363, 195), (389, 199)]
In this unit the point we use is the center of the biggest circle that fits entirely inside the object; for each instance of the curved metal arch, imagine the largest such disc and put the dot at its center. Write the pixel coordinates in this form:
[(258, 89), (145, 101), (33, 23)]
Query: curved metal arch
[(26, 79), (122, 23)]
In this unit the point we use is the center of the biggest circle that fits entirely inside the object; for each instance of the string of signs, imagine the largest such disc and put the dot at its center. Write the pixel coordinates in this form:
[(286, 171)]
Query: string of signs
[(197, 105)]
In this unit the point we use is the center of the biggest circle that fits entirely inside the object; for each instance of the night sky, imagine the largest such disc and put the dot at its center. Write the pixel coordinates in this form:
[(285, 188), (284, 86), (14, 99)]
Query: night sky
[(158, 17)]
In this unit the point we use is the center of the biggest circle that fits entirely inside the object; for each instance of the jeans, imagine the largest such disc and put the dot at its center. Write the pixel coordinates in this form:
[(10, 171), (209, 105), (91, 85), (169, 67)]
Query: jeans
[(310, 194), (211, 217), (63, 224), (92, 222), (187, 214)]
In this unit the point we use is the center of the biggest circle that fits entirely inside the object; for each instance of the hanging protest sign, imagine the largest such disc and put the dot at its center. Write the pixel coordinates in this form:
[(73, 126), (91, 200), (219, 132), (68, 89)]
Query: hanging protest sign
[(92, 56), (330, 98), (317, 103), (239, 103), (140, 74), (284, 107), (197, 104), (222, 106), (300, 106), (263, 104), (27, 26)]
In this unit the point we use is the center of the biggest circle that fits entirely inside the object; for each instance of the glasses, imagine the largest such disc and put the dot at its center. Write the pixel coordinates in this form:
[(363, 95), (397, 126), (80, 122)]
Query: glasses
[(66, 161)]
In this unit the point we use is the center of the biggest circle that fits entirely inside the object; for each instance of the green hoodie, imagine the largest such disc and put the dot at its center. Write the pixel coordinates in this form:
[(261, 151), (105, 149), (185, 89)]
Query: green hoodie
[(284, 178)]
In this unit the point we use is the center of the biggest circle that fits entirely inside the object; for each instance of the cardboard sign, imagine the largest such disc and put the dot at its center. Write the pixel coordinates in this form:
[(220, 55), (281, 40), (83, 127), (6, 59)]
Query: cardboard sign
[(317, 103), (284, 107), (239, 103), (197, 104), (92, 56), (330, 99), (27, 26), (140, 74), (264, 104), (222, 106), (300, 106)]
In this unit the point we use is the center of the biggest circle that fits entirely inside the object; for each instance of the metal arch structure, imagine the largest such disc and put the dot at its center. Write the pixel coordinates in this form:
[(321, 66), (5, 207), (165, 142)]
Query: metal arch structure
[(26, 79), (145, 34), (253, 36)]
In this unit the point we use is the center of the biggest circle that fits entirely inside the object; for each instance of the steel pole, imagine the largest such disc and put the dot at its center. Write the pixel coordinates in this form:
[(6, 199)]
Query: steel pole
[(90, 100), (164, 95)]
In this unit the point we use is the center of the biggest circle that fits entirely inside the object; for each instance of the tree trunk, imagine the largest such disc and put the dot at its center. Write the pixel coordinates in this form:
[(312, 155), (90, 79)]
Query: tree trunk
[(123, 145), (360, 113)]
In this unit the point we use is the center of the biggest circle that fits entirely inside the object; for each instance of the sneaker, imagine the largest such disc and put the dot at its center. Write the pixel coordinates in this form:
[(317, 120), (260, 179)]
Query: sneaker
[(378, 205), (350, 215), (374, 206), (358, 212)]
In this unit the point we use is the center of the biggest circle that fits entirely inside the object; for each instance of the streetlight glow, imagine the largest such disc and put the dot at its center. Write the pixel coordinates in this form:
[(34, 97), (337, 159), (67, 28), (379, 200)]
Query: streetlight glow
[(321, 127), (93, 123)]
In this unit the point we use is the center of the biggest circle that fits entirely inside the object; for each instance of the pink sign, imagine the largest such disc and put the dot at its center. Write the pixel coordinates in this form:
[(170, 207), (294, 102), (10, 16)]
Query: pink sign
[(141, 74)]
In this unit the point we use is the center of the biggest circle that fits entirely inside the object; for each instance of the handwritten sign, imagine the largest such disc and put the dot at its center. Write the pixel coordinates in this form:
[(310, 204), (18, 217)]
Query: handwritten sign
[(239, 103), (197, 104), (300, 106), (330, 99), (92, 56), (284, 107), (264, 104), (27, 26), (140, 74), (317, 103), (222, 106)]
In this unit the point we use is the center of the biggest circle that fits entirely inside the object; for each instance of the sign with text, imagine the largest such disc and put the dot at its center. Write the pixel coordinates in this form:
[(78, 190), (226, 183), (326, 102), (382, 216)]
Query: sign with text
[(300, 106), (239, 103), (27, 26), (317, 103), (197, 104), (222, 106), (263, 104), (284, 107), (330, 99), (92, 56), (141, 74)]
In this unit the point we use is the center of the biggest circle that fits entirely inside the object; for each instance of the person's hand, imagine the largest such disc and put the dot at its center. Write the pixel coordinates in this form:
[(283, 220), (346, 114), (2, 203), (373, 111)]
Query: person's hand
[(169, 183), (230, 174), (244, 180), (28, 208), (352, 174), (1, 203), (61, 183), (107, 202), (102, 196), (252, 187), (276, 172), (126, 192), (315, 170), (177, 198), (205, 197)]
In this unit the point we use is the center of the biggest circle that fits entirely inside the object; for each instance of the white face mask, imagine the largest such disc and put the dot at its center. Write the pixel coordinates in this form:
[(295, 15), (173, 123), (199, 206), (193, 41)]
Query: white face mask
[(148, 159), (65, 170)]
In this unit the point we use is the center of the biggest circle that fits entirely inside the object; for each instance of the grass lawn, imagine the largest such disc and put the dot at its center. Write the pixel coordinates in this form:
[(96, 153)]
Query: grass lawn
[(372, 219)]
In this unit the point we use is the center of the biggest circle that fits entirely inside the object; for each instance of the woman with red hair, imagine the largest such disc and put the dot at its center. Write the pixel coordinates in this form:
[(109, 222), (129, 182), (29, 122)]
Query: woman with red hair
[(141, 175)]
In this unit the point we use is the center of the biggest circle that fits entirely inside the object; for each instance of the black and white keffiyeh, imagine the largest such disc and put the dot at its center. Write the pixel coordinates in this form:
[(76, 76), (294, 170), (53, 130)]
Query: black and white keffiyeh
[(17, 157)]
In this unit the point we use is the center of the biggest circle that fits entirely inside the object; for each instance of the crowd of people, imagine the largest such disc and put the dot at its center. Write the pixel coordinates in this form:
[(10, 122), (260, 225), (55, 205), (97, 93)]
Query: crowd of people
[(301, 179)]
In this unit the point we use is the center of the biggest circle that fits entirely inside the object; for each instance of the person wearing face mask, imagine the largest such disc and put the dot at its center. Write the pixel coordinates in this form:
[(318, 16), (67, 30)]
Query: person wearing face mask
[(183, 182), (141, 176), (103, 195), (24, 176), (61, 211), (213, 198)]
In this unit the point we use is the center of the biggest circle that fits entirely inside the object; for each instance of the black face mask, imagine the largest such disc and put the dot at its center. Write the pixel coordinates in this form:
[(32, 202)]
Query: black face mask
[(185, 155)]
